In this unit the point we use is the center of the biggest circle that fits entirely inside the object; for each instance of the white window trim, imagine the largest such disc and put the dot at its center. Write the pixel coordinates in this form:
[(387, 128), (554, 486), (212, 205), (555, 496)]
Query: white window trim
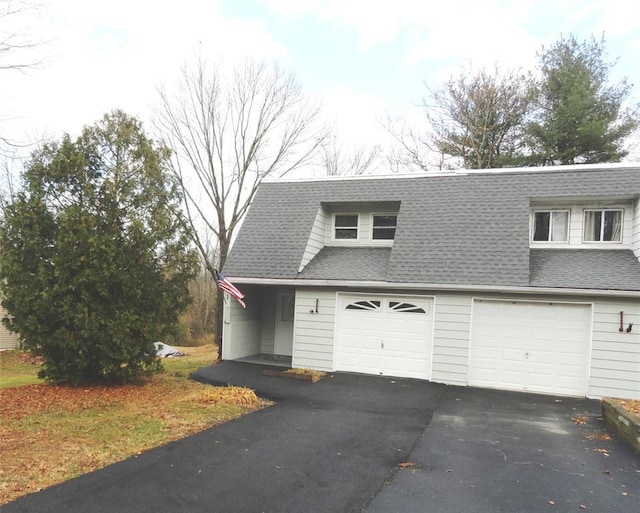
[(550, 210), (603, 209), (381, 241), (333, 227)]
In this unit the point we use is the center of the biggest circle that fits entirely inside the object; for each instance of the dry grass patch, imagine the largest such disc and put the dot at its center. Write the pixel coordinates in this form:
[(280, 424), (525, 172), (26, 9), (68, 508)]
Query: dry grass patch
[(312, 375), (49, 434), (303, 374)]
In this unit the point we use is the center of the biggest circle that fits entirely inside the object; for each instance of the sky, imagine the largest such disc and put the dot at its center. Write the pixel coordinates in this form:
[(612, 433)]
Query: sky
[(363, 59)]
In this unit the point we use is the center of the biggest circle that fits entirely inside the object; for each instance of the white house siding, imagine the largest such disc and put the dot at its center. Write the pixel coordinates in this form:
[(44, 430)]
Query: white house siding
[(241, 328), (452, 319), (314, 332), (8, 340), (316, 239), (635, 230), (615, 356)]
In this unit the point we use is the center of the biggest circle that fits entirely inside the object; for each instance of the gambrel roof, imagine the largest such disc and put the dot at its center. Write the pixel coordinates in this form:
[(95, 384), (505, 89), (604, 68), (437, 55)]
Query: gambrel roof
[(456, 228)]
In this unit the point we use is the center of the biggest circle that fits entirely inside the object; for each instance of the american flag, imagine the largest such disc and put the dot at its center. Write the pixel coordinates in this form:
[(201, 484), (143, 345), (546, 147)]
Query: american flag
[(230, 288)]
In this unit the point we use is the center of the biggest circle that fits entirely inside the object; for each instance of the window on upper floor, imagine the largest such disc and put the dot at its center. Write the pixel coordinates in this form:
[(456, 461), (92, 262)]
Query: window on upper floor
[(345, 226), (602, 225), (383, 226), (551, 226)]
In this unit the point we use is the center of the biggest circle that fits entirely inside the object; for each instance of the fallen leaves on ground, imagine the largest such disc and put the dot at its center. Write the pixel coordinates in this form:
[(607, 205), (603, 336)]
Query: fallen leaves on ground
[(50, 433), (599, 436), (632, 406)]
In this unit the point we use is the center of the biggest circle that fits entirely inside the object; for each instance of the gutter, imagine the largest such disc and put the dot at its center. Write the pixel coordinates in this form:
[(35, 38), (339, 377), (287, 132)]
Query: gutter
[(351, 284)]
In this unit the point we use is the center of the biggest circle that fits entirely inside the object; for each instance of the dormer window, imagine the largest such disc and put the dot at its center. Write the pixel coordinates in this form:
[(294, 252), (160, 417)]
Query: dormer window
[(551, 226), (345, 226), (603, 225), (383, 226)]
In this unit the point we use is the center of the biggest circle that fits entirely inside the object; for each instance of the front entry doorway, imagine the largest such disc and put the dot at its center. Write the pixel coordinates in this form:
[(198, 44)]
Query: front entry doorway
[(285, 307)]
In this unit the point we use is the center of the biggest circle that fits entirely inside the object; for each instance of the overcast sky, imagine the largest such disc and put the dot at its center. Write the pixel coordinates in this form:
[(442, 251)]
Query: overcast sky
[(361, 57)]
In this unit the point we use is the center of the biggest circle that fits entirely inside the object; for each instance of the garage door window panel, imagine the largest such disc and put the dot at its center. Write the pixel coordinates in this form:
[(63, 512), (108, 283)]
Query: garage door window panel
[(364, 305), (398, 306)]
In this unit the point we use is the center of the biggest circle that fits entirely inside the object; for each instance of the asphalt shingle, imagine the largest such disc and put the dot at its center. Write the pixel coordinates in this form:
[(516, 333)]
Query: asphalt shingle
[(360, 264), (459, 229), (585, 269)]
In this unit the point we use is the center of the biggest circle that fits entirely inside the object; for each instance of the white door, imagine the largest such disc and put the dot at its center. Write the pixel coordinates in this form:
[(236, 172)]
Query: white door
[(530, 346), (384, 335), (285, 308)]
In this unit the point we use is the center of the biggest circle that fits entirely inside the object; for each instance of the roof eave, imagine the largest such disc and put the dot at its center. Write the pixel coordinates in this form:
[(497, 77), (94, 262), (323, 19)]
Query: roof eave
[(350, 284)]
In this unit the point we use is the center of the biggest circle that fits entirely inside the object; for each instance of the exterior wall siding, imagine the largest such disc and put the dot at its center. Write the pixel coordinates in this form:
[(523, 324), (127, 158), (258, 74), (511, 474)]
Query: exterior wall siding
[(316, 239), (241, 328), (8, 340), (452, 318), (314, 332), (635, 229), (615, 356), (614, 365)]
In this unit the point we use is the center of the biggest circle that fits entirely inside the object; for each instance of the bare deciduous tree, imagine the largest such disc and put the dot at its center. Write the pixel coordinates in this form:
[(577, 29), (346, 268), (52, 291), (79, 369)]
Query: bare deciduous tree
[(338, 161), (413, 148), (14, 35), (479, 117), (228, 133), (476, 119)]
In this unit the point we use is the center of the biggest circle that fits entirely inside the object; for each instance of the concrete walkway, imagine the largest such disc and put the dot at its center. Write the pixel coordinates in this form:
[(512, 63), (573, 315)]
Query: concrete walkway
[(353, 443)]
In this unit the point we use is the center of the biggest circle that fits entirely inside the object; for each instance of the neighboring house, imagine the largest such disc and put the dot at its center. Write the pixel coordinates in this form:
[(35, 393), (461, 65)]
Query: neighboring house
[(8, 340), (518, 279)]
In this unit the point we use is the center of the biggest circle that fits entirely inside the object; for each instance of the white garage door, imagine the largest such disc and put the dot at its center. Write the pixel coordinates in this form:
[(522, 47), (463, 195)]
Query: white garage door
[(536, 347), (384, 335)]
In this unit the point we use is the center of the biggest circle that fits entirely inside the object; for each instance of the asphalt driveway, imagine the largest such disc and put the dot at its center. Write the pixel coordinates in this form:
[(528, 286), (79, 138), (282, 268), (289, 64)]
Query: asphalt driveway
[(352, 443)]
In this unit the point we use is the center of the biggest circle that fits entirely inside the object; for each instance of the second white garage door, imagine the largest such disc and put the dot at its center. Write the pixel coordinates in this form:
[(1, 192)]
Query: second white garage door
[(530, 346), (387, 335)]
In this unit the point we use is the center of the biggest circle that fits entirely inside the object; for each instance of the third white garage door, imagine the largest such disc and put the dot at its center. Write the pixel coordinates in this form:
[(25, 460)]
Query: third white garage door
[(530, 346), (388, 335)]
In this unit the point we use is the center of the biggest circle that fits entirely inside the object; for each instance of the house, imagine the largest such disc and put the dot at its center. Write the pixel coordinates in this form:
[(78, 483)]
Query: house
[(8, 340), (517, 279)]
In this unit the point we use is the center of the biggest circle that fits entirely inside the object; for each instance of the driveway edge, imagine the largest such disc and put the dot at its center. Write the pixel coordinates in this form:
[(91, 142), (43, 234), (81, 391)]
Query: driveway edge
[(624, 424)]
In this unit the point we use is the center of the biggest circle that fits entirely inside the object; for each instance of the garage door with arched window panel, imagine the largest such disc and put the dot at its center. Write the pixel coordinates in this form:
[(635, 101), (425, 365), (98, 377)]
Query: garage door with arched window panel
[(384, 335)]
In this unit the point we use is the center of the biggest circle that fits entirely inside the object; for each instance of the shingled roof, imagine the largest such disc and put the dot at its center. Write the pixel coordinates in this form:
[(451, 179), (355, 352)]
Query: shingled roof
[(453, 229)]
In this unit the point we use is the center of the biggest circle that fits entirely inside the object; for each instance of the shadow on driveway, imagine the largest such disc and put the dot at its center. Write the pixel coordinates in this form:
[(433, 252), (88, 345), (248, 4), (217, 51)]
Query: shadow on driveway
[(353, 443)]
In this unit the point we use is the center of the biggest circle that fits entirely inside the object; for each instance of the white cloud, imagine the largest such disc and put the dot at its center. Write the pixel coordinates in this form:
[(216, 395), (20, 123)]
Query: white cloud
[(106, 55), (354, 115)]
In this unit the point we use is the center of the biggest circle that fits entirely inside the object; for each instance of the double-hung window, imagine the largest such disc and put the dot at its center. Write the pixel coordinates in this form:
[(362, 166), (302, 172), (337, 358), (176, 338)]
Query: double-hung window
[(345, 226), (602, 225), (551, 226), (383, 226)]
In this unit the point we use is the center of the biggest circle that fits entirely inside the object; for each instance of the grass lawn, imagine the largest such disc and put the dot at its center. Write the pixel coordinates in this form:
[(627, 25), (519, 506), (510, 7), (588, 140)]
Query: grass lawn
[(50, 433)]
